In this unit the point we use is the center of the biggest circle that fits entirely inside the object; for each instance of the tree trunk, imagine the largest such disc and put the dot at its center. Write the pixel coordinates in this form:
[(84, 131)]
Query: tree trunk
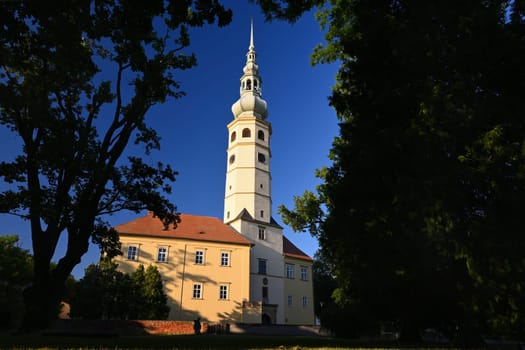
[(42, 301)]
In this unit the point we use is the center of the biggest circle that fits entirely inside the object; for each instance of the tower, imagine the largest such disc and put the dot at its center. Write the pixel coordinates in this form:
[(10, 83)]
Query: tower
[(247, 198), (248, 185)]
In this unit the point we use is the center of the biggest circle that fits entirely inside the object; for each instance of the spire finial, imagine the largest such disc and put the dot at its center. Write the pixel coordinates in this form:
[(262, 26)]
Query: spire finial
[(251, 36)]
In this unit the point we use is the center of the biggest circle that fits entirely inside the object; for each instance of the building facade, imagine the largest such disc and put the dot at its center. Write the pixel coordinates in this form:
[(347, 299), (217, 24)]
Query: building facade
[(242, 269)]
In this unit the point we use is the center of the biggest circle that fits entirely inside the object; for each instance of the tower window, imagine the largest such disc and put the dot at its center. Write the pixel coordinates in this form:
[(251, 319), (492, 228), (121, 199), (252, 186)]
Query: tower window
[(248, 84), (260, 135), (262, 213), (232, 158), (246, 133), (233, 136), (261, 157), (262, 233), (227, 215), (262, 266)]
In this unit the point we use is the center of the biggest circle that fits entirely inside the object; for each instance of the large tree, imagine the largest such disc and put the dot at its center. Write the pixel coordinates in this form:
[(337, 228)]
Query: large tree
[(422, 203), (76, 81)]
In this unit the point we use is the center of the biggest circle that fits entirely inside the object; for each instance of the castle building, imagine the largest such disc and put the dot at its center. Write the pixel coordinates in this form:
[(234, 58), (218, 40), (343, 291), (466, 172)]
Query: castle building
[(242, 269)]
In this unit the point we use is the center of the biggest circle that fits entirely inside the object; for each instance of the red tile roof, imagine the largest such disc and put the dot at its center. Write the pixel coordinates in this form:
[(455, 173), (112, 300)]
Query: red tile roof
[(194, 227), (289, 249)]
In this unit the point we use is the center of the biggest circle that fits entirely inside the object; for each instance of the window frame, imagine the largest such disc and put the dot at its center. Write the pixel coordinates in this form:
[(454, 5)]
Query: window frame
[(224, 292), (202, 257), (304, 273), (197, 291), (165, 254), (262, 233), (260, 263), (305, 301), (290, 300), (289, 270), (225, 256), (135, 254)]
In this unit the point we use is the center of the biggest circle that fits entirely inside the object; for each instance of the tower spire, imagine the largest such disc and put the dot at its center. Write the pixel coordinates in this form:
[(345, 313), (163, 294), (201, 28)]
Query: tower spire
[(250, 102), (251, 47)]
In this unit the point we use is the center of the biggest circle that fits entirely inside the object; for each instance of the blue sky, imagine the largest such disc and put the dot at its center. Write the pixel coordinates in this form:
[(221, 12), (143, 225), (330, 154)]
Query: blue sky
[(193, 129)]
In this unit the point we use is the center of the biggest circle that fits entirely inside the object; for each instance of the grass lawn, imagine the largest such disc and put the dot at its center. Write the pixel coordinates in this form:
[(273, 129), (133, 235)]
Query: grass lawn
[(185, 342)]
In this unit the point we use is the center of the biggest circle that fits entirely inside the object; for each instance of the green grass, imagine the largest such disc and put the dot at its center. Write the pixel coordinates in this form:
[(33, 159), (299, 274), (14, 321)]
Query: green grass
[(186, 342)]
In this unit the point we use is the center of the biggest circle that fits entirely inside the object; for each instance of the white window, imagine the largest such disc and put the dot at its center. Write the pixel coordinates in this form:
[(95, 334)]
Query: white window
[(225, 258), (262, 233), (197, 291), (223, 292), (290, 300), (304, 273), (199, 257), (305, 301), (162, 254), (133, 252), (289, 271)]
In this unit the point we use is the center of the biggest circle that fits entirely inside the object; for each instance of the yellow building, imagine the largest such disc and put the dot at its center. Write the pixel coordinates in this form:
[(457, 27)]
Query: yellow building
[(241, 269)]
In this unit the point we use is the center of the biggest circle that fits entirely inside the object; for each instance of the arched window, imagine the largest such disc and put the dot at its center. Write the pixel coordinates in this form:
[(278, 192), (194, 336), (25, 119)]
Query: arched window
[(261, 157), (260, 135), (232, 158), (248, 84), (246, 133), (233, 136), (255, 84)]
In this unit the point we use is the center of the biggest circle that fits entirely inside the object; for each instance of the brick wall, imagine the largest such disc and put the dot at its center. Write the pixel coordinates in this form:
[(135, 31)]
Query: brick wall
[(122, 327)]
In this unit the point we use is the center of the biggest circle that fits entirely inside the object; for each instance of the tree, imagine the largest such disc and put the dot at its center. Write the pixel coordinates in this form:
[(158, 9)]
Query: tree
[(15, 262), (103, 293), (16, 271), (151, 296), (76, 81), (421, 215), (106, 293)]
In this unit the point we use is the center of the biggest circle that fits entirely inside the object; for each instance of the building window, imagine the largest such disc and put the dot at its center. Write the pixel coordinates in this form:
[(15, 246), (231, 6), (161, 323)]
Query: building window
[(246, 132), (199, 257), (265, 297), (262, 233), (260, 135), (304, 273), (233, 136), (133, 252), (262, 213), (289, 271), (225, 259), (197, 291), (305, 301), (261, 157), (162, 254), (249, 84), (223, 292), (232, 158), (262, 266), (290, 300)]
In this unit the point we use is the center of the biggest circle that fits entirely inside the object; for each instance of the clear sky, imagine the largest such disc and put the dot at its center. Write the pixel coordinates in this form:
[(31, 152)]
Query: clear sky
[(193, 129)]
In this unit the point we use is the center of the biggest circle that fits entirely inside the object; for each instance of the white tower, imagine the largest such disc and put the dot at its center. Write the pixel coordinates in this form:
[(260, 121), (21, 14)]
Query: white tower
[(247, 198), (248, 172)]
